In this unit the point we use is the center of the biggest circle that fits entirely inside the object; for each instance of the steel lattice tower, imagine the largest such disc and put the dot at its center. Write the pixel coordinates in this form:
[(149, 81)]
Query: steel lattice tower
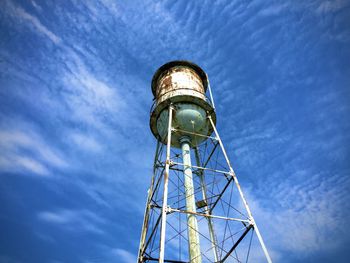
[(194, 212)]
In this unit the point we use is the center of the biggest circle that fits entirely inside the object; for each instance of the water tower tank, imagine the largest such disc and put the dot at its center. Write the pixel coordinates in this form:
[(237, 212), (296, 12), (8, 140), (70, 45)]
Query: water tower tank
[(182, 84)]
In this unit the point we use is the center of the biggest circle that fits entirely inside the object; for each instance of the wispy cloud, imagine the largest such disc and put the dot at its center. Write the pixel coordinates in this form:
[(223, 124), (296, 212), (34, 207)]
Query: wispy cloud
[(326, 7), (124, 255), (273, 10), (74, 220), (88, 98), (302, 216), (109, 253), (31, 20), (36, 5), (86, 142), (22, 163), (24, 148)]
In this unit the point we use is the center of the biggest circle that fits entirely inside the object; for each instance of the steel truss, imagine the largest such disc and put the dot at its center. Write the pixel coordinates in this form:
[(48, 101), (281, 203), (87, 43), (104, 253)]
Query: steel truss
[(224, 217)]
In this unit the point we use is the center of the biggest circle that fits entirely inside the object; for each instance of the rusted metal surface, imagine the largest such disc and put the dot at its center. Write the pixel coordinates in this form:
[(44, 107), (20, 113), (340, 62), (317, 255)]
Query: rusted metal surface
[(179, 63), (179, 81), (182, 84)]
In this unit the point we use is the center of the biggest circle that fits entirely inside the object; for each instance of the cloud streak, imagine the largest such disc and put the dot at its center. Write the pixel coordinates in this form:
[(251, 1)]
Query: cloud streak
[(74, 220), (25, 17), (26, 150)]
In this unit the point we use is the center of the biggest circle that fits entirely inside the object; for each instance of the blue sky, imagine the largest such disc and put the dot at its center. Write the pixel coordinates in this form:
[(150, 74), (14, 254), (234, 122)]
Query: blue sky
[(75, 146)]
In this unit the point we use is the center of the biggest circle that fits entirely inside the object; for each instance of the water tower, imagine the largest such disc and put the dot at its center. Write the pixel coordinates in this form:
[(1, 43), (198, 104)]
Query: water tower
[(194, 212)]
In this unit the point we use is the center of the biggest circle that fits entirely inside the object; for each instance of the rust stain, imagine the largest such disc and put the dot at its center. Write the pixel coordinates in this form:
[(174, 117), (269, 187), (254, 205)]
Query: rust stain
[(179, 81)]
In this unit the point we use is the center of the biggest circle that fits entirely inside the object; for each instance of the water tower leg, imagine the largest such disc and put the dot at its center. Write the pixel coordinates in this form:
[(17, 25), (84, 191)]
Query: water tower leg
[(193, 237), (147, 209), (262, 243), (165, 192)]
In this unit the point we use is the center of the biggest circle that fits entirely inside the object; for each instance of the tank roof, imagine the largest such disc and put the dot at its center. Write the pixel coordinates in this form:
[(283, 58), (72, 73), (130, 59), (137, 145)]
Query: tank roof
[(176, 63)]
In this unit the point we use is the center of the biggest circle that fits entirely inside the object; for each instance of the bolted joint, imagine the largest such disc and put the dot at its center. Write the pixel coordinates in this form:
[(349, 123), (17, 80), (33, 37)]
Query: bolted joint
[(251, 221), (168, 209)]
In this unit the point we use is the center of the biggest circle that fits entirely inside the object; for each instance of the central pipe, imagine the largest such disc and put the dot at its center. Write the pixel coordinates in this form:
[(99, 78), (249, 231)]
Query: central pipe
[(192, 224)]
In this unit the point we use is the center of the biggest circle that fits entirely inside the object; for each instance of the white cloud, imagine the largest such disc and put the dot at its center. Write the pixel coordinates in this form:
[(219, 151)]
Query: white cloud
[(124, 256), (13, 163), (74, 220), (303, 216), (36, 6), (332, 6), (90, 99), (273, 10), (27, 150), (111, 6), (33, 21), (56, 217), (30, 164), (86, 142)]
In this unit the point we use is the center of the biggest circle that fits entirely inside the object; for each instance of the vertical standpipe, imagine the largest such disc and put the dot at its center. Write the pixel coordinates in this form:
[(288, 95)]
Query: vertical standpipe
[(204, 194), (192, 225)]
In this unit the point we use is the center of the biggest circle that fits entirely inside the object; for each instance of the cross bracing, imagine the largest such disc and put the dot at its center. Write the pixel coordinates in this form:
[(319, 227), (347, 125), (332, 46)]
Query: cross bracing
[(226, 228)]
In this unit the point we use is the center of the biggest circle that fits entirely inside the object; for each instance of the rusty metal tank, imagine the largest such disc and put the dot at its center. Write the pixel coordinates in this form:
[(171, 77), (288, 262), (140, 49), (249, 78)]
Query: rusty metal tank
[(182, 84)]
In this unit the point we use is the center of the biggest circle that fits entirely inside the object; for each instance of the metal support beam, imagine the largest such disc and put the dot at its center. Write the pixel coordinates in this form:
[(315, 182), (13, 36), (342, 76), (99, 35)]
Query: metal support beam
[(165, 193), (208, 216), (203, 168), (165, 260), (193, 133), (147, 208), (151, 235), (236, 243), (157, 184), (210, 94), (220, 195), (210, 155), (268, 258), (204, 195)]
